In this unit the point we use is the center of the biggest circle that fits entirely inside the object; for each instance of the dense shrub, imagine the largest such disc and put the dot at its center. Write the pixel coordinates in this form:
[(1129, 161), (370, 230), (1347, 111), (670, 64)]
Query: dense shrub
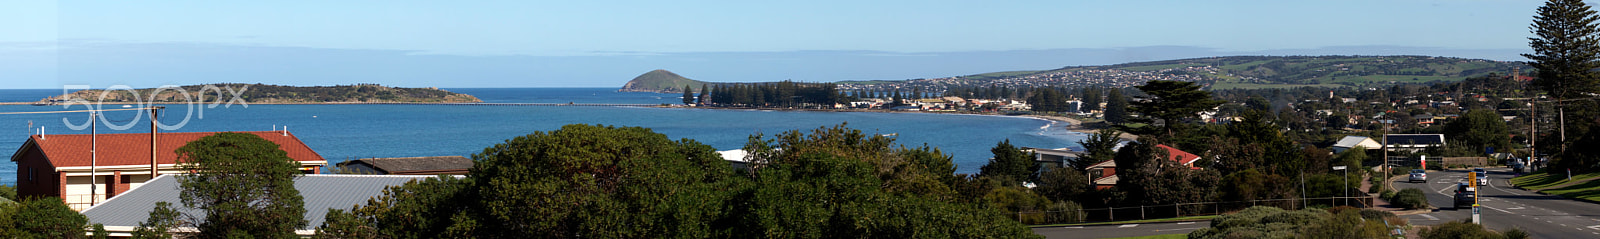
[(1271, 222), (1064, 212), (1410, 198), (1386, 195), (1458, 230)]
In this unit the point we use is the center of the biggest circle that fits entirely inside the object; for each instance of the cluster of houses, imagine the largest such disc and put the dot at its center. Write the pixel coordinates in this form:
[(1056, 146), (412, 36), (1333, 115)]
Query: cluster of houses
[(115, 179)]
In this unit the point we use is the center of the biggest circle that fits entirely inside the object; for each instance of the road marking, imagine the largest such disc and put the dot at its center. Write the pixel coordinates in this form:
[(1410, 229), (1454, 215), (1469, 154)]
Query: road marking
[(1497, 209), (1514, 208), (1185, 223), (1430, 217), (1077, 227), (1175, 229), (1596, 227), (1128, 225)]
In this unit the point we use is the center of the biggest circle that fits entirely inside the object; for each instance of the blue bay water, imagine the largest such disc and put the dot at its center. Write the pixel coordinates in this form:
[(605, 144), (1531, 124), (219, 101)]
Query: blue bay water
[(343, 132)]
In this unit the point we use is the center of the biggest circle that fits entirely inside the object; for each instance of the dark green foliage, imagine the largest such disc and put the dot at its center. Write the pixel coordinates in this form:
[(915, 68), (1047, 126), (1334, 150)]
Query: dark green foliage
[(42, 218), (1174, 101), (1048, 100), (600, 181), (244, 184), (705, 95), (1516, 233), (159, 225), (1147, 174), (1091, 99), (99, 232), (1097, 148), (1410, 198), (1009, 164), (1060, 184), (1479, 129), (1565, 49), (1116, 107), (1458, 230), (688, 94), (577, 181), (779, 94)]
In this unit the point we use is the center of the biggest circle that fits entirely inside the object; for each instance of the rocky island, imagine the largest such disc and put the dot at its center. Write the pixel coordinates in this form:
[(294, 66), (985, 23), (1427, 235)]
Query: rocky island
[(660, 81)]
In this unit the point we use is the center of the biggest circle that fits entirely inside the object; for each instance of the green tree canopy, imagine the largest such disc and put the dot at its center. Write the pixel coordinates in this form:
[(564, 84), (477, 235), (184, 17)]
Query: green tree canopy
[(1009, 164), (1565, 48), (244, 184), (1116, 107), (1480, 129), (1173, 101)]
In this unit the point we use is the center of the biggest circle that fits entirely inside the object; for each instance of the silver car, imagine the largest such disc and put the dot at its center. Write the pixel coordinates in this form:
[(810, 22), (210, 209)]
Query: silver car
[(1418, 175)]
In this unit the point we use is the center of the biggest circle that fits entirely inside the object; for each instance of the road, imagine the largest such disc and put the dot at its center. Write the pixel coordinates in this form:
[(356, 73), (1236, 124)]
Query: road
[(1121, 230), (1504, 207)]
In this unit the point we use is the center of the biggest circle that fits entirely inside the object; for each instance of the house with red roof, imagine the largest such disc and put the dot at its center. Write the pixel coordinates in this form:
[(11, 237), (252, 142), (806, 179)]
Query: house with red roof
[(66, 166), (1105, 173)]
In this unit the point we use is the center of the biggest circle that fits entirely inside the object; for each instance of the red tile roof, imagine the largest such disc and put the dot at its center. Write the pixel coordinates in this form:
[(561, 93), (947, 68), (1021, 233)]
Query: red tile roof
[(71, 150), (1185, 158)]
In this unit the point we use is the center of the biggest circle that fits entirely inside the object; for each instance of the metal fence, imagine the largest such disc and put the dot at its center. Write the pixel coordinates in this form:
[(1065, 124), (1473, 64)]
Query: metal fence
[(1183, 209)]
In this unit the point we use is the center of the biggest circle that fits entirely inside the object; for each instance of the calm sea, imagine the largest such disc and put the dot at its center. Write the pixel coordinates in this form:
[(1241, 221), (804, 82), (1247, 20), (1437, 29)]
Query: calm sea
[(343, 132)]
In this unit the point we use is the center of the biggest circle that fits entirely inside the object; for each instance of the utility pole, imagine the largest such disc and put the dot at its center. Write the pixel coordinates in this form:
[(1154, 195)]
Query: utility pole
[(94, 158)]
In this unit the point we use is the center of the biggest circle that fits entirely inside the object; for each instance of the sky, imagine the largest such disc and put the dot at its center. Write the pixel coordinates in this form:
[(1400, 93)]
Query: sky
[(606, 43)]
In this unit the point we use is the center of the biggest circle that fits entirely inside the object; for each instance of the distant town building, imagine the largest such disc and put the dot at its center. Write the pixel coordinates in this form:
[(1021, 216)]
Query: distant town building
[(59, 165), (435, 165)]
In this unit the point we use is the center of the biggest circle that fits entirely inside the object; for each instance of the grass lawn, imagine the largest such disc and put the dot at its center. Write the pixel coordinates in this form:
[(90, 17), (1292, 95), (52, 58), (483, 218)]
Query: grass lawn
[(1167, 236), (1175, 219), (1543, 180), (1587, 191)]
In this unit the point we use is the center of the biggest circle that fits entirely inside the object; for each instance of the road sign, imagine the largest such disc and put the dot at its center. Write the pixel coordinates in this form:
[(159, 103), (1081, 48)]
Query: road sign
[(1339, 167)]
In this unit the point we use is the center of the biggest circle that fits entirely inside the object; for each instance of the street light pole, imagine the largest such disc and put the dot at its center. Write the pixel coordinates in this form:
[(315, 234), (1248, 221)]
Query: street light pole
[(1346, 183)]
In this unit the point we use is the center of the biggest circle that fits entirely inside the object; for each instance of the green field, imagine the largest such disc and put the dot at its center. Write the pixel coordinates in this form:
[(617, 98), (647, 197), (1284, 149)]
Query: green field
[(1542, 181), (1159, 67), (1227, 85)]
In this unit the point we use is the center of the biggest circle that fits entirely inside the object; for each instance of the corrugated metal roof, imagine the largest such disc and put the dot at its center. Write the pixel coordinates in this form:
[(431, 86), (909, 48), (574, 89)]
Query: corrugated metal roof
[(412, 164), (321, 192)]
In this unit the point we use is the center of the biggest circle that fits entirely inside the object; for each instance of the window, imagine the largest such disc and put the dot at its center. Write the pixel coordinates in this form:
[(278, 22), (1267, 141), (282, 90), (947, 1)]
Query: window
[(30, 174)]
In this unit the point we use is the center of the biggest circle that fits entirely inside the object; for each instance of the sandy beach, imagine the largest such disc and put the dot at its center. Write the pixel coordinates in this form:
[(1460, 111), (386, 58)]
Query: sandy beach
[(1076, 125)]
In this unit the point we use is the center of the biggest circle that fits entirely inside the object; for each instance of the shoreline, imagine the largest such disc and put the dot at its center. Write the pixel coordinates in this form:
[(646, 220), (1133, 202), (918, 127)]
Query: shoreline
[(1076, 125)]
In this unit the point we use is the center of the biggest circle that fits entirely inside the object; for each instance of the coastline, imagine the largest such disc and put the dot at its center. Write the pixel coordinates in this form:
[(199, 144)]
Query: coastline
[(1076, 125)]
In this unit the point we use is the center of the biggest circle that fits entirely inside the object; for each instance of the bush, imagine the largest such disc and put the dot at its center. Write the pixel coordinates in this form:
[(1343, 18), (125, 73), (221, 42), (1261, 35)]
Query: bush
[(1410, 198), (1064, 212), (1456, 229), (1516, 233), (1386, 195)]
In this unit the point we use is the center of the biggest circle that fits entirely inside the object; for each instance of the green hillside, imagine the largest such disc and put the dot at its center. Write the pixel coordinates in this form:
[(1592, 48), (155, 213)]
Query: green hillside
[(660, 81)]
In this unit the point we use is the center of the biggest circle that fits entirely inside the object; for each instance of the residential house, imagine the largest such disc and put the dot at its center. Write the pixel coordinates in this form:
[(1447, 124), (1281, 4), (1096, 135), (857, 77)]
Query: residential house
[(435, 165), (61, 165), (1053, 157), (319, 192), (1105, 173)]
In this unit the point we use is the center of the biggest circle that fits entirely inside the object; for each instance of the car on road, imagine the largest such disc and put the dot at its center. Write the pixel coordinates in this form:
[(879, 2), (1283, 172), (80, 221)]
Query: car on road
[(1419, 175), (1483, 176), (1466, 195)]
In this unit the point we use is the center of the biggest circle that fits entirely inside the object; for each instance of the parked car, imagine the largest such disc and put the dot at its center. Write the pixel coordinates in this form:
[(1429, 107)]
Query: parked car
[(1483, 176), (1465, 195), (1419, 175)]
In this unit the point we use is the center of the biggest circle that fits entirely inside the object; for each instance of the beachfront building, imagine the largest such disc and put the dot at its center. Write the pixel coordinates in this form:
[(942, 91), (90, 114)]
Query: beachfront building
[(435, 165), (66, 167)]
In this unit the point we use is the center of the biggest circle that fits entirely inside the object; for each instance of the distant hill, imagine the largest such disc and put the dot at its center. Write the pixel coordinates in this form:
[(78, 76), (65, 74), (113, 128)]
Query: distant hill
[(278, 94), (660, 81), (1231, 72)]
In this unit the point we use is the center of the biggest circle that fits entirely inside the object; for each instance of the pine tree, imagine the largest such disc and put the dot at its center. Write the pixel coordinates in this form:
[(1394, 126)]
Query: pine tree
[(705, 95), (1116, 107), (688, 94), (1566, 50)]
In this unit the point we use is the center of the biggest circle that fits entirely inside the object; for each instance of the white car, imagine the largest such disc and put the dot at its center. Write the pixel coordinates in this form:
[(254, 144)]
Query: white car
[(1483, 176)]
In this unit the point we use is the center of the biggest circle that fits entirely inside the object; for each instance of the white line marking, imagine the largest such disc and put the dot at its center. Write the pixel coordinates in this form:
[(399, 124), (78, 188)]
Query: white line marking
[(1497, 209), (1430, 217), (1596, 227), (1175, 229), (1128, 225), (1185, 223), (1514, 208), (1078, 227)]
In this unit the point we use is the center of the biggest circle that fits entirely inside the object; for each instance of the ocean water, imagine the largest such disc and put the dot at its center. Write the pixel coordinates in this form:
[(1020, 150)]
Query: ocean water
[(343, 132)]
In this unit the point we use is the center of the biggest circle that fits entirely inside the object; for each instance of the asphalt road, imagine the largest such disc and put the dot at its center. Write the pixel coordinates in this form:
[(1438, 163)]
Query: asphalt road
[(1505, 207), (1121, 230)]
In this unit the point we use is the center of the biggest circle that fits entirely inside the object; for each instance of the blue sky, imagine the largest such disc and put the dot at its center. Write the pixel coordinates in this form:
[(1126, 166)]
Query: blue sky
[(605, 43)]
